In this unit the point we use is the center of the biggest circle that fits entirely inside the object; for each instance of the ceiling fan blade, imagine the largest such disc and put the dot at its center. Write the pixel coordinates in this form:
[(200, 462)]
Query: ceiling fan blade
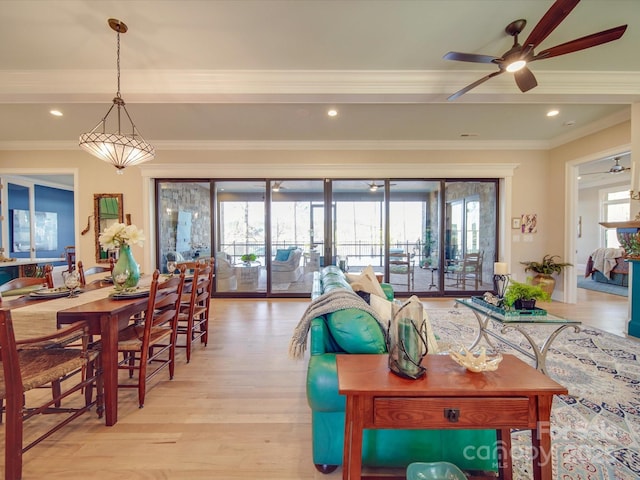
[(470, 57), (459, 93), (581, 43), (525, 79), (547, 24)]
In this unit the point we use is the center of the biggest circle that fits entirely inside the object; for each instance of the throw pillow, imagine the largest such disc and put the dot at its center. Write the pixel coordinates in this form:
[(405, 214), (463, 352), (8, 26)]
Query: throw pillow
[(282, 254), (356, 331), (366, 281)]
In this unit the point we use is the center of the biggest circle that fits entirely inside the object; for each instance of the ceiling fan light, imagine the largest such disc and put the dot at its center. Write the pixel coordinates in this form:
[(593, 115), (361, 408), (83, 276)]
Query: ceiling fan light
[(515, 66)]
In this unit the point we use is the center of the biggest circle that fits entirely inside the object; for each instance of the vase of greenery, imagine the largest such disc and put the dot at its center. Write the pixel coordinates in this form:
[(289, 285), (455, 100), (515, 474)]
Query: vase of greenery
[(523, 296), (247, 258), (545, 270)]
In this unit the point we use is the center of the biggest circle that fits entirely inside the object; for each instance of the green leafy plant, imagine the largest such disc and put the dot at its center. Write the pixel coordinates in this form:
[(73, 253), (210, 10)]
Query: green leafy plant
[(547, 266), (248, 257), (524, 291)]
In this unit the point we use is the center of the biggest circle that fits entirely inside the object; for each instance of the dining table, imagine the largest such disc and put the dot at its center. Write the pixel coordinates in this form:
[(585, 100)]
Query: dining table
[(104, 315)]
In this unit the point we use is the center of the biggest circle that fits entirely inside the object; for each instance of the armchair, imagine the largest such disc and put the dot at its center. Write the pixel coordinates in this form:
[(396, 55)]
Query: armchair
[(225, 276), (288, 269)]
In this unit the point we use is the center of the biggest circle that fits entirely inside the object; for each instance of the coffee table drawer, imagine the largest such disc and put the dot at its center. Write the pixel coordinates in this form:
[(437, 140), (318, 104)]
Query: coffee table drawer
[(452, 412)]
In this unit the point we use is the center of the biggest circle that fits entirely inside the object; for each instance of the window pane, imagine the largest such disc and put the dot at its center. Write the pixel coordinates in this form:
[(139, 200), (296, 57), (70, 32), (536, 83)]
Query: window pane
[(470, 234), (184, 221), (240, 236), (414, 212), (297, 221)]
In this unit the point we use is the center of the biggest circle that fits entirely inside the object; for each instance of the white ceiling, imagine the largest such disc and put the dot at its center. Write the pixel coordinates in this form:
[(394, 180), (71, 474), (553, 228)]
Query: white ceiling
[(262, 73)]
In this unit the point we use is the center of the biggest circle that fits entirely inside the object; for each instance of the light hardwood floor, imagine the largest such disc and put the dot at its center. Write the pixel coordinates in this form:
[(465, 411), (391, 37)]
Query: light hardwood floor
[(237, 411)]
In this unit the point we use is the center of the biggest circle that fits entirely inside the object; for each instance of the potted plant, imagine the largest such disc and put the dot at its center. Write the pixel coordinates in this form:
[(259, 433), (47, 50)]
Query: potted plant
[(247, 258), (523, 296), (545, 271)]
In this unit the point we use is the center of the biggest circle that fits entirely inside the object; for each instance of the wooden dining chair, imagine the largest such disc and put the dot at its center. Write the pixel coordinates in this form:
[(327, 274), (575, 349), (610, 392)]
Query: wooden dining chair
[(24, 285), (193, 320), (93, 270), (70, 257), (37, 362), (152, 339)]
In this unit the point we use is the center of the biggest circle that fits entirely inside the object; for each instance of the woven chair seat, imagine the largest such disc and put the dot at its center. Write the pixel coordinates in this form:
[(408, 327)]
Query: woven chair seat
[(130, 339), (40, 367)]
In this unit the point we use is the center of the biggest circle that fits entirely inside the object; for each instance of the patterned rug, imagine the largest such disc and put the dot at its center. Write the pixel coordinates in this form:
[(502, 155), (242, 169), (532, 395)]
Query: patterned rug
[(595, 430)]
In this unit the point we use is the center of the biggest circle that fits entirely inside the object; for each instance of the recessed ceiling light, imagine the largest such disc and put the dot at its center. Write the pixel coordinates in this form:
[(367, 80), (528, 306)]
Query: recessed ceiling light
[(552, 113), (332, 112), (55, 113)]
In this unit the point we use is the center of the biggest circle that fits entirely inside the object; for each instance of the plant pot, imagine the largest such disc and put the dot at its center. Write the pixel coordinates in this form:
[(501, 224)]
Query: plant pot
[(545, 282), (524, 304)]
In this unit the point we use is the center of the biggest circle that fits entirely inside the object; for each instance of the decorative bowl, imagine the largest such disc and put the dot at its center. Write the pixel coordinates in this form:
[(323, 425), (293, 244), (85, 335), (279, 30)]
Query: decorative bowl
[(477, 360), (434, 471)]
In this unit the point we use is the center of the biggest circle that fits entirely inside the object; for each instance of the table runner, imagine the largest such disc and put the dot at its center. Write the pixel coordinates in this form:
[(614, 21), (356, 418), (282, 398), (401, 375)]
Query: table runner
[(40, 318)]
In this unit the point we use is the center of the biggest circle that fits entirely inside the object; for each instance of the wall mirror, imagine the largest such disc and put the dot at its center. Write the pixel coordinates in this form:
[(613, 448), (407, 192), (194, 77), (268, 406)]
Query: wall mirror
[(107, 210)]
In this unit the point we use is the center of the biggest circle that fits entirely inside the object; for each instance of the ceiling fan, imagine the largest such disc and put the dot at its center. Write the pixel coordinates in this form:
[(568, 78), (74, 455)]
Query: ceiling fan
[(519, 56), (615, 168), (277, 186), (373, 186)]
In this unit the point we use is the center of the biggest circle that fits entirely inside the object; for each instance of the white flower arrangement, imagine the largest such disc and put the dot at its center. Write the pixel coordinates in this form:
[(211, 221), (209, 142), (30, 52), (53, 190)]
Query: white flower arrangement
[(120, 234)]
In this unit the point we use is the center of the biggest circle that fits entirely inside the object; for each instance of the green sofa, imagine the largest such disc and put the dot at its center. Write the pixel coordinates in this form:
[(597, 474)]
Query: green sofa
[(356, 331)]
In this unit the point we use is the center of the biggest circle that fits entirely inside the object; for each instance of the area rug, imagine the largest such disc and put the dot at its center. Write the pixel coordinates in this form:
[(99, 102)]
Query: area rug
[(595, 429), (589, 284)]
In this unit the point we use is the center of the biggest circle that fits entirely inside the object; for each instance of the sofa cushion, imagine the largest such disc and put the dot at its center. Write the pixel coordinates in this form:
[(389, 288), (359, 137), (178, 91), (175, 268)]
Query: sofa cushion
[(356, 331), (282, 255), (333, 281)]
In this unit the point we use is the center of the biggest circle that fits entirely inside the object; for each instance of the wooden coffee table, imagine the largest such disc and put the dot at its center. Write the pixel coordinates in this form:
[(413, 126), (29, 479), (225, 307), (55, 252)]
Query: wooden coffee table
[(447, 397)]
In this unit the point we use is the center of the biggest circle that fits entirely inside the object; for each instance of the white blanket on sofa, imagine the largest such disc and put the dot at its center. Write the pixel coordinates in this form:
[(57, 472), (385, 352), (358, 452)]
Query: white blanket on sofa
[(332, 301), (604, 259)]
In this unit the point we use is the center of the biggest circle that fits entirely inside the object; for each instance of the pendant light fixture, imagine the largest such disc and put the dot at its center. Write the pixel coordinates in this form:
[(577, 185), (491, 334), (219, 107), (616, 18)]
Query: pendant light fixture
[(120, 149)]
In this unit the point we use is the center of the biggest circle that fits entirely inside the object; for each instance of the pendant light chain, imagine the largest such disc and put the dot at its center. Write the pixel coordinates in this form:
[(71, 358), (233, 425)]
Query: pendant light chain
[(118, 64)]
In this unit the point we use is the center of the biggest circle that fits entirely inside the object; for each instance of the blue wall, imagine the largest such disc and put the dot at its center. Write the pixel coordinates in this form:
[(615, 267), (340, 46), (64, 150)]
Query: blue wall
[(47, 199)]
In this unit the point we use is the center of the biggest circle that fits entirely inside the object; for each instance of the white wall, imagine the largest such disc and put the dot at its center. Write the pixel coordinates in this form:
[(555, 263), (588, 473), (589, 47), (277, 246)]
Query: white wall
[(537, 184)]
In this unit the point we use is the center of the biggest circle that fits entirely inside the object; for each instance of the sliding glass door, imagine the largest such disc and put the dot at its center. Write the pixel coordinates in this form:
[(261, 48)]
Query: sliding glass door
[(429, 237), (358, 225), (297, 219), (414, 231), (241, 236), (470, 241)]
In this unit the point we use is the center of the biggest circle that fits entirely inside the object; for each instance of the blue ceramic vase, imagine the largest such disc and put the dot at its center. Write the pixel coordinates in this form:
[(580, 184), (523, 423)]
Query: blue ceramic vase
[(126, 265)]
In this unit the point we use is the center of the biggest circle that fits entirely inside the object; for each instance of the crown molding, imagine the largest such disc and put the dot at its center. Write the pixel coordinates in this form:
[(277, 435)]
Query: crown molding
[(207, 86), (288, 145), (594, 127), (283, 171)]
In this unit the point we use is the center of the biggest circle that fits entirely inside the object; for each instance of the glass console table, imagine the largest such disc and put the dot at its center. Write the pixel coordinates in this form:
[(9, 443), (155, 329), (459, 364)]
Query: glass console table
[(485, 315)]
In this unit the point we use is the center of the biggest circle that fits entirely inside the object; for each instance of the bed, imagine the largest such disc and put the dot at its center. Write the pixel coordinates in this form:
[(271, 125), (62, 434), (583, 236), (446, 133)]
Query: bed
[(607, 265)]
